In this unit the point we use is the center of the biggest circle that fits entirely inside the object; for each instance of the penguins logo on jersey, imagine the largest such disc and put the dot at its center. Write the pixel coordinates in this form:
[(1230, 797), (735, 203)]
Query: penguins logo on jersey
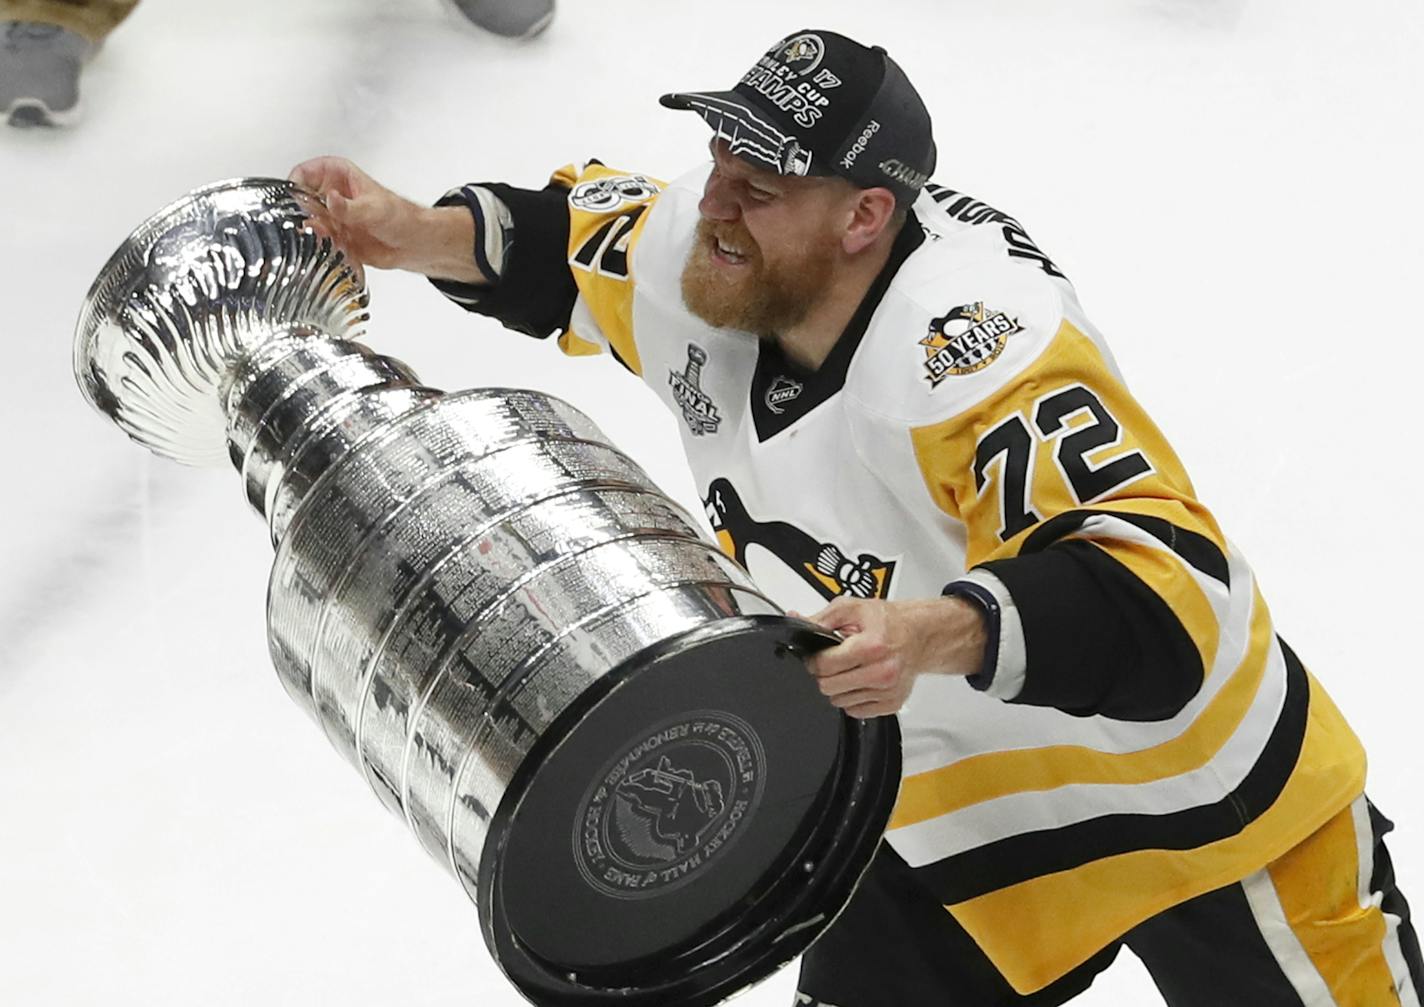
[(965, 339), (600, 195), (697, 406), (825, 566)]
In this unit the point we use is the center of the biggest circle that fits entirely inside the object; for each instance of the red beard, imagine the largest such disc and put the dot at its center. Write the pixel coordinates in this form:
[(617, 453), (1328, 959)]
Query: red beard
[(764, 299)]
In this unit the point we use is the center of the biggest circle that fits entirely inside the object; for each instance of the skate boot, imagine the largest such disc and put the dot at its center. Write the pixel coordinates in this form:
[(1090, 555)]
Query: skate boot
[(39, 73)]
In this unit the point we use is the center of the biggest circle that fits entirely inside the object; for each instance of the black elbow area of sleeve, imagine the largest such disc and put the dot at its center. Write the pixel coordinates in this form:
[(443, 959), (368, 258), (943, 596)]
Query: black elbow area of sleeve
[(1098, 640), (536, 293)]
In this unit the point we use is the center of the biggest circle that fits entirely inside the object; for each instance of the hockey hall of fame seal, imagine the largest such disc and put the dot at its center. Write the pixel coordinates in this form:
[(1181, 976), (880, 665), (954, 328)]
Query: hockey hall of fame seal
[(675, 799)]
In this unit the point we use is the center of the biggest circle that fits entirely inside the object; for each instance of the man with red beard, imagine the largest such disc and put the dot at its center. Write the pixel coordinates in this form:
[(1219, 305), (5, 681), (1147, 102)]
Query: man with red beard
[(898, 410)]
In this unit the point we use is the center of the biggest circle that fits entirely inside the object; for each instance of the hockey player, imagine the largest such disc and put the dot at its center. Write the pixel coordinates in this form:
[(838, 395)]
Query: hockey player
[(895, 405)]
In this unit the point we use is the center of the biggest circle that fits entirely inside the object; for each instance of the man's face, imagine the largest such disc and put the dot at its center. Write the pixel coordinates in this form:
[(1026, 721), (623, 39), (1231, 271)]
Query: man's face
[(765, 248)]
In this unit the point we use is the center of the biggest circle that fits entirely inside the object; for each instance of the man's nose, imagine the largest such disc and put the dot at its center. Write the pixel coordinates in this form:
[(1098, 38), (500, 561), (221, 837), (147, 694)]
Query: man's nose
[(718, 201)]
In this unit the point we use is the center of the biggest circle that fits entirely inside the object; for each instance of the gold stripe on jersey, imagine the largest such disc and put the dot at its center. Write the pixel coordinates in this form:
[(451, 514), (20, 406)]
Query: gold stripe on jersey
[(946, 458), (1169, 578), (1038, 930), (946, 453), (608, 295), (568, 175), (575, 345), (979, 778), (1320, 896)]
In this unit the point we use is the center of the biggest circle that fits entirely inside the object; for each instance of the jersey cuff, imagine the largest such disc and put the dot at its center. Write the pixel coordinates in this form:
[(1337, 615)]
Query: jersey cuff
[(1005, 654), (494, 234), (521, 238)]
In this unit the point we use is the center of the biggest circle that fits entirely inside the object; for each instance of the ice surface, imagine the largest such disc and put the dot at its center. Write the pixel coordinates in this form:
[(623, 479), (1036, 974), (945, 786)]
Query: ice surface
[(1232, 185)]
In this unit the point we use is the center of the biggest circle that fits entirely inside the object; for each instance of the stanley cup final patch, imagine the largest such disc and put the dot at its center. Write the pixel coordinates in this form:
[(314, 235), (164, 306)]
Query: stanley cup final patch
[(964, 340), (697, 406)]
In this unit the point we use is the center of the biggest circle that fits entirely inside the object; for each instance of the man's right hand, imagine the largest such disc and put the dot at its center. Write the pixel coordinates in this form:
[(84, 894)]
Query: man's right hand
[(379, 227)]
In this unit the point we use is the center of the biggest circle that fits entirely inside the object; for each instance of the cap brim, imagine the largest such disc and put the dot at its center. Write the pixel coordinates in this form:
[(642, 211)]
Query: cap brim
[(748, 130)]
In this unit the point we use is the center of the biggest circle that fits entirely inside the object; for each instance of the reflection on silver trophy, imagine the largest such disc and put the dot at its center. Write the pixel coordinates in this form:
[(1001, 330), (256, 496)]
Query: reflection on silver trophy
[(580, 706)]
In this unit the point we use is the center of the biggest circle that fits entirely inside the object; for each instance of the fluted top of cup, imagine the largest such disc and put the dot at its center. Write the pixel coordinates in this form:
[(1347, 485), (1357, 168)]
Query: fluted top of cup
[(192, 292)]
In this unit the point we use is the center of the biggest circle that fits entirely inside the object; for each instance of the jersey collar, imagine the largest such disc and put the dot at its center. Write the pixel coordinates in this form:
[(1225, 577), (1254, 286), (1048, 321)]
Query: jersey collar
[(782, 391)]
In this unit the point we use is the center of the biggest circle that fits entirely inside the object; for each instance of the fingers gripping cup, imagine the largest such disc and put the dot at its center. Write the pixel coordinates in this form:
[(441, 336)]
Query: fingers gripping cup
[(584, 711)]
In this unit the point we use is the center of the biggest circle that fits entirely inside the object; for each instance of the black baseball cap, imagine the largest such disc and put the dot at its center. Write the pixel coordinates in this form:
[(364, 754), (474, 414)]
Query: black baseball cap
[(819, 103)]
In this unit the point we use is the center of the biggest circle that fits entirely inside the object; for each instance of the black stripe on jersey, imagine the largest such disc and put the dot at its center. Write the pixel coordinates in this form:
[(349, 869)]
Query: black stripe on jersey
[(1210, 951), (1198, 551), (1098, 640), (1029, 855), (819, 385), (1382, 880), (895, 946), (613, 351)]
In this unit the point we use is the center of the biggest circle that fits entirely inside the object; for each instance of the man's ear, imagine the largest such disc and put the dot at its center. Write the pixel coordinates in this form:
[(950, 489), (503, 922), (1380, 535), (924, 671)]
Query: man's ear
[(872, 215)]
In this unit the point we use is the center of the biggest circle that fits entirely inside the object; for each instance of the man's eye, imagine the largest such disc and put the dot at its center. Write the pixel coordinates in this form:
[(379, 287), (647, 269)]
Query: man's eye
[(761, 195)]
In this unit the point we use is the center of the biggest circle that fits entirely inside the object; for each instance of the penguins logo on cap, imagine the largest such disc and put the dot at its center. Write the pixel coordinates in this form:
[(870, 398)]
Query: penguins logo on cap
[(802, 53)]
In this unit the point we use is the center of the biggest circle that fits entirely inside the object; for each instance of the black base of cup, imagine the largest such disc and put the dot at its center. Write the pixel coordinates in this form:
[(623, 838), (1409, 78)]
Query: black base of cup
[(693, 822)]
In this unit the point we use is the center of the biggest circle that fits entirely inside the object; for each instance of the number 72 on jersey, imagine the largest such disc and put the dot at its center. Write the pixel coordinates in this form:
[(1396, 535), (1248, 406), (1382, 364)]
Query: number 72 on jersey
[(1075, 425)]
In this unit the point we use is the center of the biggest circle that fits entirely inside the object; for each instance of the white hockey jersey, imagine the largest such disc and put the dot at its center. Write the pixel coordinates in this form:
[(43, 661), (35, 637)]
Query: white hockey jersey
[(1126, 757)]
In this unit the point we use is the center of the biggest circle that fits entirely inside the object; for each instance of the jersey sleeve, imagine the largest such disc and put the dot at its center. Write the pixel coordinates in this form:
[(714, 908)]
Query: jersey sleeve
[(534, 293), (1105, 581), (567, 262)]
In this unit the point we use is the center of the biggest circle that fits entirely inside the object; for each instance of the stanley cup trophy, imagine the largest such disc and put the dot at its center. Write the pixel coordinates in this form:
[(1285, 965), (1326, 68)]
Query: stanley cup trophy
[(583, 709)]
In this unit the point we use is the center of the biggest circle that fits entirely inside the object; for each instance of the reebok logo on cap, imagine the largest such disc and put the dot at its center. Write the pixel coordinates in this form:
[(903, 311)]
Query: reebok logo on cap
[(858, 148)]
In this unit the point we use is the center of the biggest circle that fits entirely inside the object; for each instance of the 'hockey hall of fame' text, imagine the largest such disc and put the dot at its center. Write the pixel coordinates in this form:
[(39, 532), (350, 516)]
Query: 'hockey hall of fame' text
[(674, 800)]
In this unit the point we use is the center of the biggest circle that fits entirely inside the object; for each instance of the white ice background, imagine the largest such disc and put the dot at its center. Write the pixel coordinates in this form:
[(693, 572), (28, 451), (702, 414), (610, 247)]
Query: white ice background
[(1233, 185)]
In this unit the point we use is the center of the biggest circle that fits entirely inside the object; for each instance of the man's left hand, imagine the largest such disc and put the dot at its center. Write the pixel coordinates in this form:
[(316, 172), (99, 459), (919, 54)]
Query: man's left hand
[(888, 644)]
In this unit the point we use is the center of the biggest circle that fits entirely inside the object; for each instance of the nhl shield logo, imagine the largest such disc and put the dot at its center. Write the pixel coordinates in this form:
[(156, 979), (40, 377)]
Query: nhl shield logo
[(782, 391), (697, 406), (964, 340)]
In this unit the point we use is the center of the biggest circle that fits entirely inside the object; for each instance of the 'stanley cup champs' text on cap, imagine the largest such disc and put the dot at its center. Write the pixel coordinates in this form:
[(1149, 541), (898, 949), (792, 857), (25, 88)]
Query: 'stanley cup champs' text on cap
[(818, 103)]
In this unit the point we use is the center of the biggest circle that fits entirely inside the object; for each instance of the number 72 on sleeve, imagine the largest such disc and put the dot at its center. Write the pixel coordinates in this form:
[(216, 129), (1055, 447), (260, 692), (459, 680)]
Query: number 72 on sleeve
[(1072, 423)]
